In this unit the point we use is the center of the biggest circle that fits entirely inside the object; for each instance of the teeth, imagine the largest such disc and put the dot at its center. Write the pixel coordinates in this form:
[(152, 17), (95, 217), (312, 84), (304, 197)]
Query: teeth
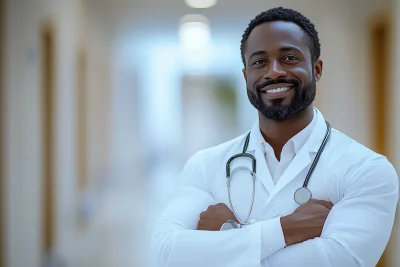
[(278, 90)]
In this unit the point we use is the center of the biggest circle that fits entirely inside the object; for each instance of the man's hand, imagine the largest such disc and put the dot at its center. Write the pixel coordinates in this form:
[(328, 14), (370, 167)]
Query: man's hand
[(306, 222), (214, 217)]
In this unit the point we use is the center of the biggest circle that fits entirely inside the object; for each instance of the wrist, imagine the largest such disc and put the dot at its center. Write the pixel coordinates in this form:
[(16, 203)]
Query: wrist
[(287, 229)]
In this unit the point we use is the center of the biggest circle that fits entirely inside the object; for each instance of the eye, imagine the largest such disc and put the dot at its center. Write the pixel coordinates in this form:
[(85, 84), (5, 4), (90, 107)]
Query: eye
[(259, 62), (290, 58)]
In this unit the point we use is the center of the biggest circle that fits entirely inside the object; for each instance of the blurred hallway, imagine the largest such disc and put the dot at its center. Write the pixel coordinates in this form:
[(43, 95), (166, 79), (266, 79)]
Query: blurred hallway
[(98, 121), (112, 238)]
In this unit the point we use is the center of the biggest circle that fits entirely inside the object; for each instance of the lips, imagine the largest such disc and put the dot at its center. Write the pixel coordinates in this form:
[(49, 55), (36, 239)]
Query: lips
[(276, 86), (277, 90)]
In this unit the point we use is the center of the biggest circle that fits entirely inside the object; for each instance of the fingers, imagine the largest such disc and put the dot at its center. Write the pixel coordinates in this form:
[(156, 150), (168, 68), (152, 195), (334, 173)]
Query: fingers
[(211, 210), (324, 203), (203, 214), (200, 225)]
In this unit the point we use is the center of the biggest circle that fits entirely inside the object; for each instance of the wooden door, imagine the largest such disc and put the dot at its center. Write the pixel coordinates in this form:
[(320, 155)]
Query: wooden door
[(381, 38), (48, 83)]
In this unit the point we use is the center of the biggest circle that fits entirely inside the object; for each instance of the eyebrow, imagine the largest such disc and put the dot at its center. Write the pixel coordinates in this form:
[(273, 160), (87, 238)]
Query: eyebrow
[(259, 52), (289, 48)]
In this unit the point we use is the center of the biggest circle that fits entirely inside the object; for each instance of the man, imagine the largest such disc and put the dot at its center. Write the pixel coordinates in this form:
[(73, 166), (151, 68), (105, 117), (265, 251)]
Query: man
[(354, 191)]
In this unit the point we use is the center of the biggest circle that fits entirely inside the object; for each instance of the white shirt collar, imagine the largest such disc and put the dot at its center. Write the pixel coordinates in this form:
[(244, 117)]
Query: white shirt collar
[(296, 141)]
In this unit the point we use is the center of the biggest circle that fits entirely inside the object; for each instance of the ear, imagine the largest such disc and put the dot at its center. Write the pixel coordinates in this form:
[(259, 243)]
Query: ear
[(318, 69), (244, 74)]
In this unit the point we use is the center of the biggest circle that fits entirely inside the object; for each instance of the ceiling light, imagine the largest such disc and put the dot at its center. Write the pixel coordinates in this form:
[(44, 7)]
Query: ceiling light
[(194, 32), (201, 3)]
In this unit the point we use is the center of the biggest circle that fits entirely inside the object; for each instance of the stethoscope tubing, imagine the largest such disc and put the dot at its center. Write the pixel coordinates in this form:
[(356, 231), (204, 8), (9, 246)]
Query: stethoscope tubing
[(254, 165)]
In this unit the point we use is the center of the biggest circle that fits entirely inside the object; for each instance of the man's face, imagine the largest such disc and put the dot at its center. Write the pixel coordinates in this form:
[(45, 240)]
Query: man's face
[(280, 76)]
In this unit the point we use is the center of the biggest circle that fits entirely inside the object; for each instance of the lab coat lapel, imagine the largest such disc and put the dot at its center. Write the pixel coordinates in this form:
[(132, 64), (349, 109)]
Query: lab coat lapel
[(262, 172), (304, 157)]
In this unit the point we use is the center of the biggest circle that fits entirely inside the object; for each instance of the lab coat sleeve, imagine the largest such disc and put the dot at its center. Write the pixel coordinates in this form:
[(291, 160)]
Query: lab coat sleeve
[(358, 227), (177, 243)]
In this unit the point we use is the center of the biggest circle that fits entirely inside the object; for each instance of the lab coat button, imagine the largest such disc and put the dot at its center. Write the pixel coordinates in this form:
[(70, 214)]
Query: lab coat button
[(275, 211), (270, 249)]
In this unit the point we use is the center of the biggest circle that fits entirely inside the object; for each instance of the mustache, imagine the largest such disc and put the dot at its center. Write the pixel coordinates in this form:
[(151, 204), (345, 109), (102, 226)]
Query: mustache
[(260, 86)]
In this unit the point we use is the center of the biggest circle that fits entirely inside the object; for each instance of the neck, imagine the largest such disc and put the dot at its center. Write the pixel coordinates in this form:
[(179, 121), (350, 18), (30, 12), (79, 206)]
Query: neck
[(278, 133)]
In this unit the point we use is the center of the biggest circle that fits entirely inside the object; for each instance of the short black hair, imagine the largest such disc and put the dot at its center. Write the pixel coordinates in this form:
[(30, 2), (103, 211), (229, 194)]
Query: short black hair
[(285, 14)]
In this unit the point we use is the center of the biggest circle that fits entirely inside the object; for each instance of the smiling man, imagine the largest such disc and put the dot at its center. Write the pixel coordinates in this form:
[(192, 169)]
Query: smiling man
[(289, 192)]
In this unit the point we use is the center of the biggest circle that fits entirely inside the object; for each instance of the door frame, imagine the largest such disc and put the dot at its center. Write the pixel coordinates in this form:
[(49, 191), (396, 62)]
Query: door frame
[(81, 118), (48, 48), (381, 35)]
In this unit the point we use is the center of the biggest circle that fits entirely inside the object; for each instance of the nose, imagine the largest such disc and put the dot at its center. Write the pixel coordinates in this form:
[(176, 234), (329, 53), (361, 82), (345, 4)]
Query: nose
[(275, 71)]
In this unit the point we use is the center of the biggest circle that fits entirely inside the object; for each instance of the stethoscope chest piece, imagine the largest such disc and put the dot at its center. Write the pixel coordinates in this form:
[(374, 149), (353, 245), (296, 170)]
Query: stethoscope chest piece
[(302, 195)]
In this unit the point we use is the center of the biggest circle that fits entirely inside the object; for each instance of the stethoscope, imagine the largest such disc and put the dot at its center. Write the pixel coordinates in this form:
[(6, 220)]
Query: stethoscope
[(301, 195)]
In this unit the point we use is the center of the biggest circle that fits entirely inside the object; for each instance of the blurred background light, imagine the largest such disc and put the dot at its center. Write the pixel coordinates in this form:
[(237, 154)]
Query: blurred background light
[(201, 3), (194, 32), (195, 41)]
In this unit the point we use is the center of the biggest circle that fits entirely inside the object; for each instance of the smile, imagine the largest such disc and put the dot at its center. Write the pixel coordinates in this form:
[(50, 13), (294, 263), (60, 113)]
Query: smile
[(276, 90), (275, 93)]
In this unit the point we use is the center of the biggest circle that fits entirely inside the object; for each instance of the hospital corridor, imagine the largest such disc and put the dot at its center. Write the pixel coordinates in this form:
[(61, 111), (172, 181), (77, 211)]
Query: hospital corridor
[(103, 102)]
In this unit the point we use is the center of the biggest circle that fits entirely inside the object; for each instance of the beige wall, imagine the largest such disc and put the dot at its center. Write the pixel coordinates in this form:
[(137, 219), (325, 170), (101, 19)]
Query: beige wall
[(21, 95), (98, 106), (23, 125), (345, 88)]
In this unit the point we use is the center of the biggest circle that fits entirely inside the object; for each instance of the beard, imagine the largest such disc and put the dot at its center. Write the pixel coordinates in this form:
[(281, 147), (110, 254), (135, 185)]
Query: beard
[(303, 98)]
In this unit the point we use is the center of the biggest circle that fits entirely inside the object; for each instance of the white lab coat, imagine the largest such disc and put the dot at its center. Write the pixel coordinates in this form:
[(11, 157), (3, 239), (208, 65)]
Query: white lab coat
[(362, 184)]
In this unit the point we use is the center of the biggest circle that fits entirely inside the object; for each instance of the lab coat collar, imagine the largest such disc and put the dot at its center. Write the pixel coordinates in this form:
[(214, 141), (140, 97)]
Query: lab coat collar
[(301, 160)]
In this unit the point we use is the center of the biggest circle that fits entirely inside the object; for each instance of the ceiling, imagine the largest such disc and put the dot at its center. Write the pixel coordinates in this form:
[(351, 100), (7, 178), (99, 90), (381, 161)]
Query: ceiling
[(157, 14), (226, 17)]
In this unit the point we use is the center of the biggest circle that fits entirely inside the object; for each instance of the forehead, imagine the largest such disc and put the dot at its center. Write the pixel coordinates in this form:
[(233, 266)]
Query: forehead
[(270, 36)]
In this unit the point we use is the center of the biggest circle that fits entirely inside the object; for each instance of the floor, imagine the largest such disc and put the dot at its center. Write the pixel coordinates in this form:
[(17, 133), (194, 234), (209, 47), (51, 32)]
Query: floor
[(119, 233)]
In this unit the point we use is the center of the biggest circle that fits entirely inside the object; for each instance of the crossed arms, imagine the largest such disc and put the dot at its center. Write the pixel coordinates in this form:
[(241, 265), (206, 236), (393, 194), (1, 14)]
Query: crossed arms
[(354, 233)]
